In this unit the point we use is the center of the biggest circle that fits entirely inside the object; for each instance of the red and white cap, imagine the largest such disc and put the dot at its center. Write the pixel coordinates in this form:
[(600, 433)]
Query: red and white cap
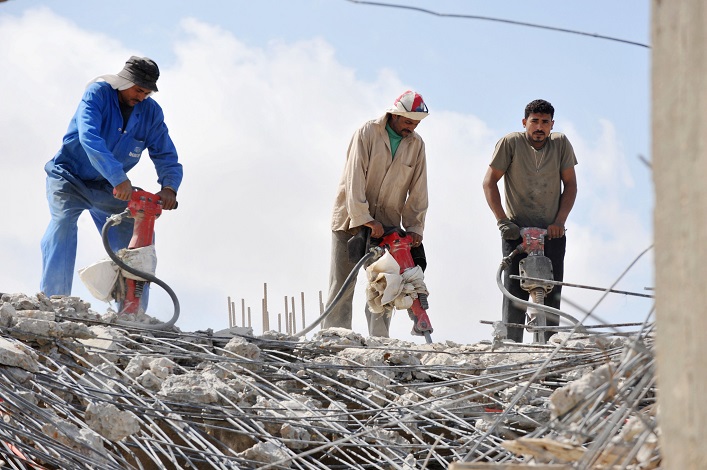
[(411, 105)]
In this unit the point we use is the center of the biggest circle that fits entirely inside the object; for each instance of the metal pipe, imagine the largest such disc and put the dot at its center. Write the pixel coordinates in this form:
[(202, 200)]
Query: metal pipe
[(545, 308), (562, 283)]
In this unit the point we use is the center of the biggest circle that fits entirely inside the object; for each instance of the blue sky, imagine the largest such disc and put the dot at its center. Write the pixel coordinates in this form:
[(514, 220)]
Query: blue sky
[(262, 98)]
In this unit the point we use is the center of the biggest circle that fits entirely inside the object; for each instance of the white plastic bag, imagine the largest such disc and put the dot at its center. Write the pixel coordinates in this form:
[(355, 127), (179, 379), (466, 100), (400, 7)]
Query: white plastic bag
[(384, 283), (388, 288), (100, 278)]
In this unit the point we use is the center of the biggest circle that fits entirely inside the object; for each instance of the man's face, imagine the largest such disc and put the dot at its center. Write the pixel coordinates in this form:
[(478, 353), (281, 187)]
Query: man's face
[(133, 95), (538, 127), (401, 125)]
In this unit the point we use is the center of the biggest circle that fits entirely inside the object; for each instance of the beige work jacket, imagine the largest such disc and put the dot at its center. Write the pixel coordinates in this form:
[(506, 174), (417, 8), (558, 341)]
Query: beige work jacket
[(376, 186)]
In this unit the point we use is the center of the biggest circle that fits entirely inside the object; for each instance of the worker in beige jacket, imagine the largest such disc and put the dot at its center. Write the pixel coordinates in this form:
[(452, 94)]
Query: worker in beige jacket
[(384, 184)]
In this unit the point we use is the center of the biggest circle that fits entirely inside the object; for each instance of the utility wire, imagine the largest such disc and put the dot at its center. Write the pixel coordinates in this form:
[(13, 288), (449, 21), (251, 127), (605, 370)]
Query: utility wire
[(499, 20)]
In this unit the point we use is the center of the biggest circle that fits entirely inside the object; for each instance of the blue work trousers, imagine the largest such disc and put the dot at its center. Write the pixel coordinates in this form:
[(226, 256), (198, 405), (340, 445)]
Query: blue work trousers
[(68, 197)]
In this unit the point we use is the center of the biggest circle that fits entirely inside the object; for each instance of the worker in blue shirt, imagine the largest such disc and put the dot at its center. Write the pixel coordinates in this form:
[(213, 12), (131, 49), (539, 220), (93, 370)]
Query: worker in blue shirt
[(115, 121)]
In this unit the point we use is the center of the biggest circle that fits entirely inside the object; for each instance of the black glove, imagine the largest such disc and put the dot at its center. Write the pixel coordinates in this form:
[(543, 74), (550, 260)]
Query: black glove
[(358, 244), (509, 230)]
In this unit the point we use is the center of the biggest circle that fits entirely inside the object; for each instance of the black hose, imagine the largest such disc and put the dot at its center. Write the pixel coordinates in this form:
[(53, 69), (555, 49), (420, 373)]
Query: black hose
[(115, 220), (499, 281), (375, 252)]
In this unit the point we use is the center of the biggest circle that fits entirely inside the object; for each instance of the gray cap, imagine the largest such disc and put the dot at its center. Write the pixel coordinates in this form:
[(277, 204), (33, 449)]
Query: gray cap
[(142, 71)]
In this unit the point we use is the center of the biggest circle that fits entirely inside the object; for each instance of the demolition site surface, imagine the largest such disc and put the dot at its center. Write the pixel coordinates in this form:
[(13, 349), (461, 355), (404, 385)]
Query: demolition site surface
[(79, 389)]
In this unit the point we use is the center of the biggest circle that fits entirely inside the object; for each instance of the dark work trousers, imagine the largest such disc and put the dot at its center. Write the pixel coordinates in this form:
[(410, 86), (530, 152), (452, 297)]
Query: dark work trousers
[(515, 313)]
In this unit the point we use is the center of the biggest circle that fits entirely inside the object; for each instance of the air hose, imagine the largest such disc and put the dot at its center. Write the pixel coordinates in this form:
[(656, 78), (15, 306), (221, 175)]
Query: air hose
[(374, 253), (499, 280), (115, 220)]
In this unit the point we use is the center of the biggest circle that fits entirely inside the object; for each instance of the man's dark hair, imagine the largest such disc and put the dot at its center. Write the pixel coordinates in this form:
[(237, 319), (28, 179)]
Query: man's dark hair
[(540, 107)]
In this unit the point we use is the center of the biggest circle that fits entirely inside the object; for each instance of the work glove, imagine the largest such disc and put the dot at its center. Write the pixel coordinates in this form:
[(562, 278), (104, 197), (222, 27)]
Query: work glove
[(423, 301), (509, 230), (358, 244)]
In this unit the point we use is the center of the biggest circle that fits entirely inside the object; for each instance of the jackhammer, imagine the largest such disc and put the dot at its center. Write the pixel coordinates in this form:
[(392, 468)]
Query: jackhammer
[(535, 272), (144, 208), (398, 243)]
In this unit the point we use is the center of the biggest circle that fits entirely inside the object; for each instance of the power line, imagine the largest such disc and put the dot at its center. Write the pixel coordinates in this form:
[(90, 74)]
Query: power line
[(499, 20)]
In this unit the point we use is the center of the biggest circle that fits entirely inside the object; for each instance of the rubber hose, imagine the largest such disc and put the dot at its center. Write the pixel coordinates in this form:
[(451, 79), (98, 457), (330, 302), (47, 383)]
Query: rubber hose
[(147, 276), (545, 308), (375, 252)]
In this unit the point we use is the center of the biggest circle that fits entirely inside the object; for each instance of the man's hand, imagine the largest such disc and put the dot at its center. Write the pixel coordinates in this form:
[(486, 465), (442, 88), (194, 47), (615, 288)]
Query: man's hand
[(416, 238), (123, 191), (376, 228), (509, 230), (168, 198), (555, 230)]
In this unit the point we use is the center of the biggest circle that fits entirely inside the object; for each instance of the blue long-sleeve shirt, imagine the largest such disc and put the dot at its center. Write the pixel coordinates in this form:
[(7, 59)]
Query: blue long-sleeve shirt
[(96, 147)]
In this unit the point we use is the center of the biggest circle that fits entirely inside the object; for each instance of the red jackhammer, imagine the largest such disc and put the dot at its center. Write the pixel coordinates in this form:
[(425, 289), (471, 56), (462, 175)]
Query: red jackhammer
[(398, 243), (144, 208)]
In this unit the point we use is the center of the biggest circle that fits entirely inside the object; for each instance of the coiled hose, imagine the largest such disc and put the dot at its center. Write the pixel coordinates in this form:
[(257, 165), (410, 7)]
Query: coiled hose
[(115, 220)]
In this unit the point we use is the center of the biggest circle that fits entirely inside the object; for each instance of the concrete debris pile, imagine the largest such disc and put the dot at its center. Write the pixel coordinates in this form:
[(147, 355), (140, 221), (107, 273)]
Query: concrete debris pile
[(80, 391)]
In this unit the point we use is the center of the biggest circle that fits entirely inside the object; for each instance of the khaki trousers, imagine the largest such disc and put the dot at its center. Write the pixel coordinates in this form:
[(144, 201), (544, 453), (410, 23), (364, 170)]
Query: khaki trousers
[(378, 324)]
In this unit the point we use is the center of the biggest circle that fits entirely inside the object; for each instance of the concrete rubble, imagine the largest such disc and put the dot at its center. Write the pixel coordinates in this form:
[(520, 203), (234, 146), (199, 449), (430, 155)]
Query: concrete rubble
[(78, 390)]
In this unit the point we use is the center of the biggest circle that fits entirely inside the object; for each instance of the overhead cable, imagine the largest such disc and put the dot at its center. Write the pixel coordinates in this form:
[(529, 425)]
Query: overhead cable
[(499, 20)]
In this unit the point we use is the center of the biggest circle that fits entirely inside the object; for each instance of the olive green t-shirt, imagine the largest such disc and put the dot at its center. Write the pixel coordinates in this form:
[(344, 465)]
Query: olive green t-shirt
[(532, 182)]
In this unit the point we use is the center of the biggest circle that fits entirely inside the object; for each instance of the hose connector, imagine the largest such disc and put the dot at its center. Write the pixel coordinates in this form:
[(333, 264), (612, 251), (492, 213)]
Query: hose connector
[(377, 251), (115, 219), (506, 262)]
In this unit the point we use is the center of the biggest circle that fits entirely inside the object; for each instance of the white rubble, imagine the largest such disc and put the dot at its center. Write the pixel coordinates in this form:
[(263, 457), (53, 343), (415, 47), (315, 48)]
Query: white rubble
[(235, 400), (105, 341), (567, 397), (267, 452), (16, 354), (110, 422)]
